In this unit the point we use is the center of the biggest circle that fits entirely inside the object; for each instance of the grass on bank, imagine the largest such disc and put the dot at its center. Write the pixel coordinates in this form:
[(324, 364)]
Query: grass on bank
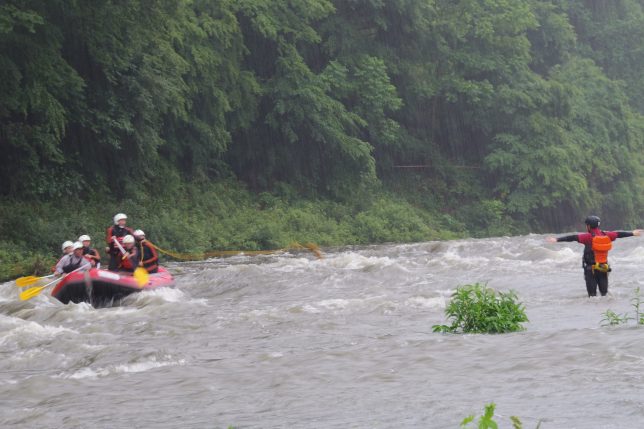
[(193, 218)]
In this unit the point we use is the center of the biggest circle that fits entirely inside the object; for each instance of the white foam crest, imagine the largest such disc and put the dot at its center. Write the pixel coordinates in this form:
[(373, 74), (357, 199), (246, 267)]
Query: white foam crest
[(346, 304), (453, 255), (356, 261), (33, 331), (165, 293), (425, 302), (287, 265), (636, 255), (133, 367)]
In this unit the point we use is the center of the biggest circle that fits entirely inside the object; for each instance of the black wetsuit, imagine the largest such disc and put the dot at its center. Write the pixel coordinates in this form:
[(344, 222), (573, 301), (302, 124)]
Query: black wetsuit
[(594, 278)]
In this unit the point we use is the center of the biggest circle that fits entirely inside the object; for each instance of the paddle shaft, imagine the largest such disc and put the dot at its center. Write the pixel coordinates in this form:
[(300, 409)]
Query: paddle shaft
[(35, 291), (140, 274), (119, 246)]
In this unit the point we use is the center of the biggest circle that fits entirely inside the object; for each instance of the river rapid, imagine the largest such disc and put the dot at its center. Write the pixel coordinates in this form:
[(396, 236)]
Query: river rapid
[(343, 342)]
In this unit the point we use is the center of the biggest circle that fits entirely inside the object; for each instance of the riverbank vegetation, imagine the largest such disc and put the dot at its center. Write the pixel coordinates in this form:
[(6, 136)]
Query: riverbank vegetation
[(245, 123), (222, 216)]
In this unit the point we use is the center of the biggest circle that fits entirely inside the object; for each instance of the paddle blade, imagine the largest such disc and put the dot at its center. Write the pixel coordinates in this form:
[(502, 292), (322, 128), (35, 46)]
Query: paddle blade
[(31, 292), (141, 276), (26, 281)]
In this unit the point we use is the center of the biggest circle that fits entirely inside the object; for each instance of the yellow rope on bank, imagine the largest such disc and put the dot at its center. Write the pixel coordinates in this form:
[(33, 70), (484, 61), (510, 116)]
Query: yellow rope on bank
[(312, 247)]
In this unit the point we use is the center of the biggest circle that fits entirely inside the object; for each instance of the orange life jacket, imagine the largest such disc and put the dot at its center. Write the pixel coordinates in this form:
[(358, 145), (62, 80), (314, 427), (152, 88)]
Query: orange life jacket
[(601, 245)]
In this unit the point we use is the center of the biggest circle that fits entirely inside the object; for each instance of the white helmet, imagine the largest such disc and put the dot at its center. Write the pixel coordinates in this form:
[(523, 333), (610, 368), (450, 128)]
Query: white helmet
[(128, 239), (118, 217), (77, 245), (66, 245), (139, 233), (84, 238)]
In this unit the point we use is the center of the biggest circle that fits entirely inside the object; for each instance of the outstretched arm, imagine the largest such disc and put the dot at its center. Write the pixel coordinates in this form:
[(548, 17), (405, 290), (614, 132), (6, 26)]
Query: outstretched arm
[(574, 237), (623, 234)]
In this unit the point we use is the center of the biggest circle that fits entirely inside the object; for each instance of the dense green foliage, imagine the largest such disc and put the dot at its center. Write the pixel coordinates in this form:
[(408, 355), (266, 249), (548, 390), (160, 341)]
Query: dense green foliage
[(224, 216), (522, 114), (477, 309)]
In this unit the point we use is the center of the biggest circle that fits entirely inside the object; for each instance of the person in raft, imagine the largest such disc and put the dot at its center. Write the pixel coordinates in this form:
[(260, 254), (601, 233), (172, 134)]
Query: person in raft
[(130, 260), (67, 247), (596, 243), (89, 253), (72, 261), (116, 232), (149, 255)]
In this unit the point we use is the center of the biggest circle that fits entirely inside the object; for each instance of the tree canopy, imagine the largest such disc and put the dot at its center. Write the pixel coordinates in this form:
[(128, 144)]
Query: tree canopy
[(533, 106)]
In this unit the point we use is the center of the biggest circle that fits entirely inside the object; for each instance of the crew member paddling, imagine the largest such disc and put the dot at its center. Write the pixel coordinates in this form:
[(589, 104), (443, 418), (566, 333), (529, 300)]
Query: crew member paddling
[(595, 259), (149, 255), (73, 261), (89, 253), (68, 248), (116, 232), (130, 259)]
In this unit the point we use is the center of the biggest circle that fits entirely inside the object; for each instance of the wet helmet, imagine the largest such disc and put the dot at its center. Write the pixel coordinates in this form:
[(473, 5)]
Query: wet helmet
[(77, 245), (84, 238), (592, 221), (128, 239), (139, 233), (66, 245), (118, 217)]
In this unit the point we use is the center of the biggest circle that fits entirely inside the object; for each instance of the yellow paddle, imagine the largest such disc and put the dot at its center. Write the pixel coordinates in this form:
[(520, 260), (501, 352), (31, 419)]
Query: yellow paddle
[(29, 280), (35, 291), (141, 276)]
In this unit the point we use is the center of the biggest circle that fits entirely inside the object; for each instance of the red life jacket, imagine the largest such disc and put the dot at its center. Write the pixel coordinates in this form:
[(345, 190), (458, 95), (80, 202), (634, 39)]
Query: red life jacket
[(119, 233), (129, 264)]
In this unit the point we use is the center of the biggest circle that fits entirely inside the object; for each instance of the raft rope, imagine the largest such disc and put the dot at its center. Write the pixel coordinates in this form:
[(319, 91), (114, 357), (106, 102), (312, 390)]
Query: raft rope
[(312, 247)]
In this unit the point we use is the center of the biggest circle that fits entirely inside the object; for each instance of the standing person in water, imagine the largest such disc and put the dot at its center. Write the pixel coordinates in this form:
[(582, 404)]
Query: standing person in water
[(595, 260), (116, 232)]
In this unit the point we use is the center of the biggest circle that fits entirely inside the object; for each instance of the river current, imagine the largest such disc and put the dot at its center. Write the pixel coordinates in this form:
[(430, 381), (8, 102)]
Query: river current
[(290, 341)]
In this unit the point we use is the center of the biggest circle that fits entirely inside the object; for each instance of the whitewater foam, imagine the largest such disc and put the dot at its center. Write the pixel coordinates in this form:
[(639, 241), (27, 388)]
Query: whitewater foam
[(134, 367)]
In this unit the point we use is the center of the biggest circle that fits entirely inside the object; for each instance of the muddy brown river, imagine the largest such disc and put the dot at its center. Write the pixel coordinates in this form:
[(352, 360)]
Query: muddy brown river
[(290, 341)]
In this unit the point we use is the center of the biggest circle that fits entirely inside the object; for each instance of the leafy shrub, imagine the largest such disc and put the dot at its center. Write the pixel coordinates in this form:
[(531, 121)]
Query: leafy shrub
[(481, 310), (611, 318), (486, 421)]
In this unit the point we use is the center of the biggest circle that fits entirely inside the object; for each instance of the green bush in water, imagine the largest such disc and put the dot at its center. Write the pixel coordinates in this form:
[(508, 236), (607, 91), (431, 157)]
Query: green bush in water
[(478, 309), (486, 421)]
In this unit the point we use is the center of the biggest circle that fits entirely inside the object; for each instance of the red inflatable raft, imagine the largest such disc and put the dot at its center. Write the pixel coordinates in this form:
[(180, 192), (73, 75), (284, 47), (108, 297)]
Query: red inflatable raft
[(103, 288)]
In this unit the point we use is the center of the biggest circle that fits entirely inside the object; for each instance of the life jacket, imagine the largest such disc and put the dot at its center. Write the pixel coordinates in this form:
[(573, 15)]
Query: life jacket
[(72, 265), (149, 257), (599, 248), (88, 252), (119, 233), (129, 264), (601, 245)]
